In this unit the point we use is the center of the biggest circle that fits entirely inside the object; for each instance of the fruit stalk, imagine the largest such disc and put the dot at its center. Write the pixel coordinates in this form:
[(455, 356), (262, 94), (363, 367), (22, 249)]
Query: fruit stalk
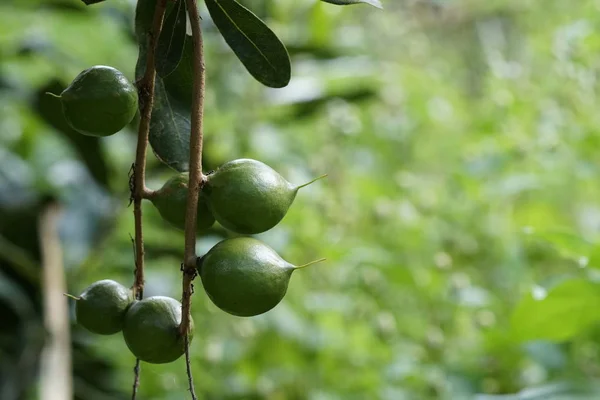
[(195, 180), (146, 100)]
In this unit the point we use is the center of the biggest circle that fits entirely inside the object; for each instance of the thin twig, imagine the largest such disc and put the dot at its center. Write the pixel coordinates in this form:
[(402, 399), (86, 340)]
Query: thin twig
[(195, 181), (136, 380), (146, 100), (188, 366)]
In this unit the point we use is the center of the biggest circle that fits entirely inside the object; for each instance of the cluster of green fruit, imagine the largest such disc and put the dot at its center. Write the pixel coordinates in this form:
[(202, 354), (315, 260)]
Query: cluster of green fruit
[(150, 326), (242, 275)]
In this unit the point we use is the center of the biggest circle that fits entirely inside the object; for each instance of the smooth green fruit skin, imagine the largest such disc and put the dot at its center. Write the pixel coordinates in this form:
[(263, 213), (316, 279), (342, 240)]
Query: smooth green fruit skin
[(171, 203), (247, 196), (102, 306), (151, 330), (244, 276), (99, 102)]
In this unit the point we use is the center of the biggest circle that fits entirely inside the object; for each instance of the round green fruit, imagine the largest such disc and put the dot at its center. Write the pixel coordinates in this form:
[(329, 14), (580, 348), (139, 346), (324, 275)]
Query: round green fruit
[(249, 197), (244, 276), (99, 102), (102, 306), (171, 203), (151, 330)]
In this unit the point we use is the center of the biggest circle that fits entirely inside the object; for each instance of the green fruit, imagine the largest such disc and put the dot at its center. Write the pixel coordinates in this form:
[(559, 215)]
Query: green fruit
[(247, 196), (244, 276), (151, 330), (99, 102), (171, 203), (102, 306)]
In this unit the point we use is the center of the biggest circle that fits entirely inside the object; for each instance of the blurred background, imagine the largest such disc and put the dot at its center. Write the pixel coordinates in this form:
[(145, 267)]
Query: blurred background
[(460, 139)]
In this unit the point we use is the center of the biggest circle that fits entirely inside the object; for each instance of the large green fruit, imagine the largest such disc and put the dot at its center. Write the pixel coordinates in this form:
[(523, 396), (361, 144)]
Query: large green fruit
[(244, 276), (99, 102), (247, 196), (171, 203), (102, 306), (151, 330)]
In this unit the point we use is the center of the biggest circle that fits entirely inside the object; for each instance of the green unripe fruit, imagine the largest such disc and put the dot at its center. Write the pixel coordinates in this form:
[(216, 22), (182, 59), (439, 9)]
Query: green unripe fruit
[(99, 102), (247, 196), (102, 306), (244, 276), (151, 330), (171, 203)]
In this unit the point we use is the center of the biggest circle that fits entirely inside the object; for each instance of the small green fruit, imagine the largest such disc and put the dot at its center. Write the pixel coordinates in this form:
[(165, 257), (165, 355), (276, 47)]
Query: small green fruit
[(102, 306), (171, 203), (247, 196), (244, 276), (151, 330), (99, 102)]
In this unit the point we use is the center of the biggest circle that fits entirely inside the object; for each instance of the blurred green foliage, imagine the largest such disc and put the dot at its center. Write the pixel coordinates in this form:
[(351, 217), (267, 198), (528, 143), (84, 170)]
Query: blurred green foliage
[(460, 218)]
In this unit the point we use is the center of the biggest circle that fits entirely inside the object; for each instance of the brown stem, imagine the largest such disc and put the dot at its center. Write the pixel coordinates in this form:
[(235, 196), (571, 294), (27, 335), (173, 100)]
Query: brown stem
[(146, 100), (149, 194), (136, 379), (196, 178), (188, 366)]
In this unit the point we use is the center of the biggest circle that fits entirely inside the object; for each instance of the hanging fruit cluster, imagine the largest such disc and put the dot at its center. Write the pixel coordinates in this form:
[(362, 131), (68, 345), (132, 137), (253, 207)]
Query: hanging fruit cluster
[(242, 276), (150, 327)]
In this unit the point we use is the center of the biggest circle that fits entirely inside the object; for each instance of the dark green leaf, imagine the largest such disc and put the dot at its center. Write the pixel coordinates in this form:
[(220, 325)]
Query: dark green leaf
[(374, 3), (257, 47), (172, 40), (565, 311), (170, 129), (90, 2), (170, 123)]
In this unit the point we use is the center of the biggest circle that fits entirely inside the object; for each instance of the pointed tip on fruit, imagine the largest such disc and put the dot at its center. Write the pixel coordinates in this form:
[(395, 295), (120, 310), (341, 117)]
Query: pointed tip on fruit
[(71, 296), (53, 95), (310, 263), (311, 182)]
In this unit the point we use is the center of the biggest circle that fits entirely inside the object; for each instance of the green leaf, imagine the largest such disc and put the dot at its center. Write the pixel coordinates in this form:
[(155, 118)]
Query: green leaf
[(566, 242), (172, 40), (170, 129), (257, 47), (374, 3), (566, 310), (170, 123), (90, 2)]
